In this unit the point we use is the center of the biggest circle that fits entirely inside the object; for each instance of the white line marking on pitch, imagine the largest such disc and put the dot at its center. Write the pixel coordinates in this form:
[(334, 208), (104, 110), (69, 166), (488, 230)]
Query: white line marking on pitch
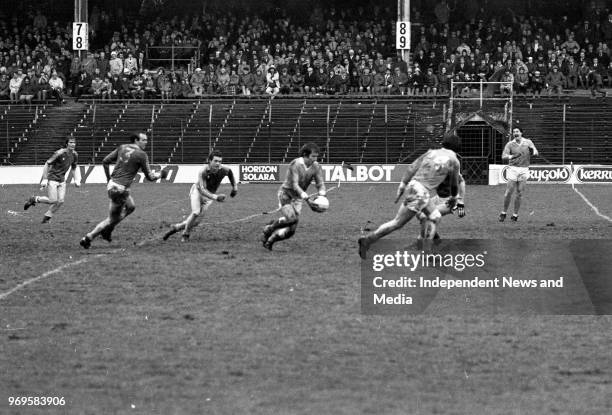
[(45, 275), (592, 206)]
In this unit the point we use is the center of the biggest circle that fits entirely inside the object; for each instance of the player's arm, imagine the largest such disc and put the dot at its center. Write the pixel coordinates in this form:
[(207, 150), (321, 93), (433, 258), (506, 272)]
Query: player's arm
[(44, 177), (108, 160), (408, 175), (76, 172), (230, 176), (533, 148), (506, 153), (460, 204), (319, 183), (149, 174)]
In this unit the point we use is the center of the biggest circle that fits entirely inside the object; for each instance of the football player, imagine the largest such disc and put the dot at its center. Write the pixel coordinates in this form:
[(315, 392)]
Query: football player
[(129, 159), (292, 193), (54, 179), (421, 179), (445, 204), (204, 192), (518, 153)]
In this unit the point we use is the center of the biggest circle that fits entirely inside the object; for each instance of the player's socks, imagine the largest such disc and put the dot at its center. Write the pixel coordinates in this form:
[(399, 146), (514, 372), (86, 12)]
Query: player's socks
[(267, 231), (30, 202), (514, 218), (502, 216), (85, 242), (268, 245), (172, 231), (46, 219), (363, 246), (106, 233)]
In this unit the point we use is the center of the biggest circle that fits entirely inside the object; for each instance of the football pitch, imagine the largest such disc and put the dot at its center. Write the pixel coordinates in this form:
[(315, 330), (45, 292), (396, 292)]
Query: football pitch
[(220, 325)]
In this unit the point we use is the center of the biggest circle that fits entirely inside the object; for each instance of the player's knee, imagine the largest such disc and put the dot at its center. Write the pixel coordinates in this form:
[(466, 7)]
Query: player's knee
[(434, 216), (58, 203)]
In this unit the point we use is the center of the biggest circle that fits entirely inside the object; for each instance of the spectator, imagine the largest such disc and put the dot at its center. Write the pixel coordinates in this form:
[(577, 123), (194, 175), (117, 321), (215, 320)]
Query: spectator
[(366, 81), (285, 81), (115, 65), (82, 85), (97, 85), (247, 81), (272, 81), (555, 81), (521, 81), (130, 63), (234, 82), (14, 86), (57, 87), (150, 88), (164, 85), (223, 81), (137, 85), (4, 87), (297, 82), (197, 83), (259, 81), (26, 91), (430, 83), (310, 80)]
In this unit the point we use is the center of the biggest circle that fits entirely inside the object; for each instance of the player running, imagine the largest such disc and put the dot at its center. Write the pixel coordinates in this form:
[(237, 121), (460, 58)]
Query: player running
[(302, 171), (421, 179), (54, 179), (203, 193), (518, 153), (128, 159), (445, 204)]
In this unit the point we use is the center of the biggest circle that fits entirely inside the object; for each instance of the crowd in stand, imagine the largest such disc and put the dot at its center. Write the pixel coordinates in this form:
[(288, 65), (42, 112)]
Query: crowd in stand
[(347, 51)]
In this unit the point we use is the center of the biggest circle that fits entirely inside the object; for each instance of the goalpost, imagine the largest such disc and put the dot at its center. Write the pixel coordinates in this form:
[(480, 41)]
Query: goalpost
[(481, 114)]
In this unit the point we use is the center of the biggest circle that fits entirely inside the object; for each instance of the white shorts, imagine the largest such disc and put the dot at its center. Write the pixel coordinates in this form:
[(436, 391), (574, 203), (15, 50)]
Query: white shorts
[(56, 190), (416, 196), (517, 174), (199, 202)]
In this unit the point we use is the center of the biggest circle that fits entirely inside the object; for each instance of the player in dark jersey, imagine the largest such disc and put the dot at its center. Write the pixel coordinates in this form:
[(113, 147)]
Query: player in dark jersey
[(204, 192), (54, 179), (302, 171), (128, 159)]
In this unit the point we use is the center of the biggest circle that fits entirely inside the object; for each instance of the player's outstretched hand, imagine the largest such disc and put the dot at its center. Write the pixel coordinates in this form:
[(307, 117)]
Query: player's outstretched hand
[(460, 208), (43, 184), (233, 193), (221, 197)]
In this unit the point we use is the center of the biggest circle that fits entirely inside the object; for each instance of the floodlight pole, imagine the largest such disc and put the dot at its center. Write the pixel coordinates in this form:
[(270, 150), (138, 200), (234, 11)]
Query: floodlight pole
[(403, 14), (80, 15)]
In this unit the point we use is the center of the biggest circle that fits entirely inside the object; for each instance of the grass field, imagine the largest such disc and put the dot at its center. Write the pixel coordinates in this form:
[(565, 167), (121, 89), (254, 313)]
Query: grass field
[(220, 325)]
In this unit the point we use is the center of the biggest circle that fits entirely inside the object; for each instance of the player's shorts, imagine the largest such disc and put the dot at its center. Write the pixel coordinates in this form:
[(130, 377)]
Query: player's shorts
[(517, 174), (288, 203), (118, 193), (199, 202), (416, 196), (56, 190)]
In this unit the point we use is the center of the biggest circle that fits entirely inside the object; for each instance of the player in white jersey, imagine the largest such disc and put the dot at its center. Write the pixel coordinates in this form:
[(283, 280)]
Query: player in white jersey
[(518, 153), (421, 179), (302, 171)]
